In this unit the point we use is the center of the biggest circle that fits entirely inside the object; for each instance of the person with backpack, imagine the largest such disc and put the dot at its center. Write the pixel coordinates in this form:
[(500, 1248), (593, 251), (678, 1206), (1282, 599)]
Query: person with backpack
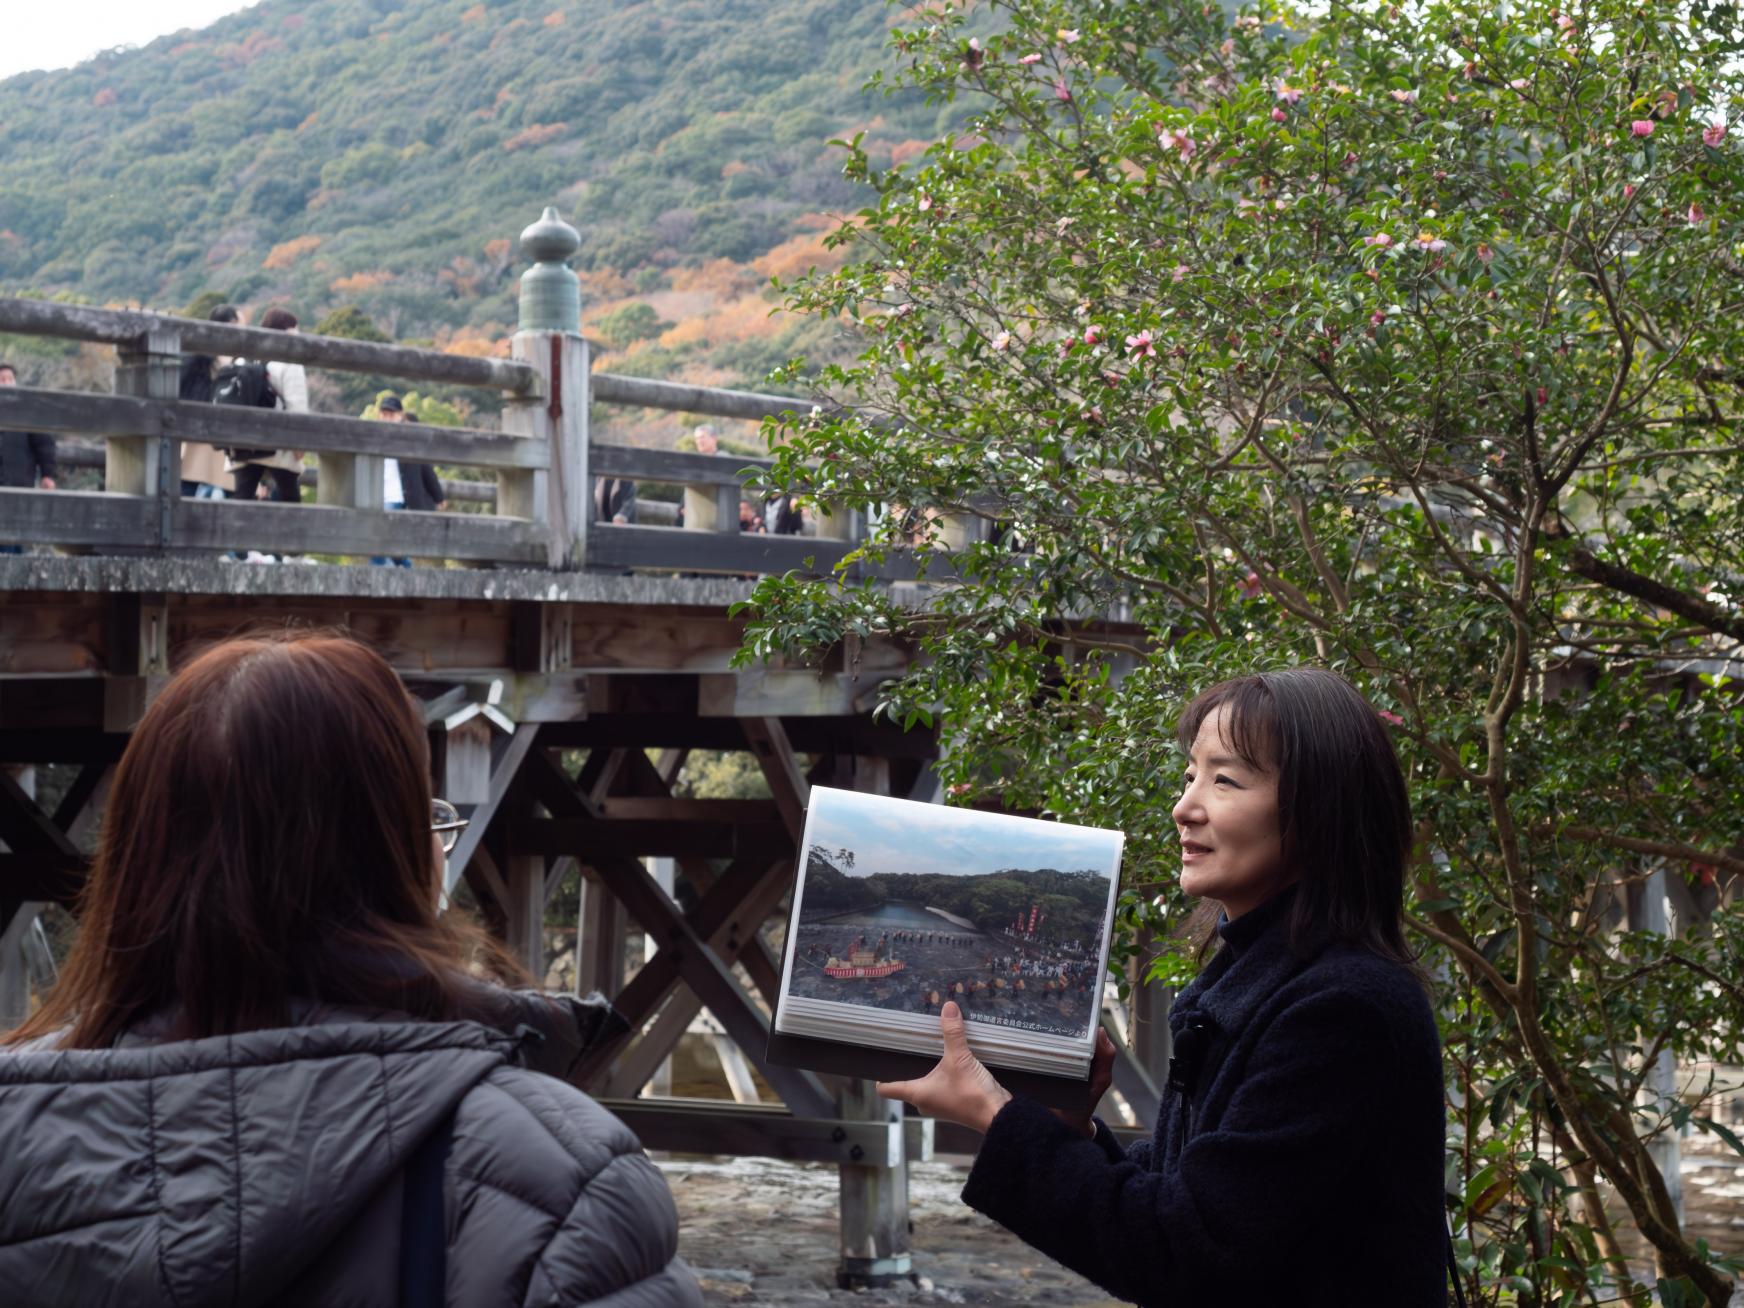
[(288, 387), (204, 476), (270, 1071)]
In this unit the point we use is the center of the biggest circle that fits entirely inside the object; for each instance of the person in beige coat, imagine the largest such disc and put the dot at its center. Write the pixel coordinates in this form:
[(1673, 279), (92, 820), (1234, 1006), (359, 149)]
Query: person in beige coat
[(204, 475), (284, 467)]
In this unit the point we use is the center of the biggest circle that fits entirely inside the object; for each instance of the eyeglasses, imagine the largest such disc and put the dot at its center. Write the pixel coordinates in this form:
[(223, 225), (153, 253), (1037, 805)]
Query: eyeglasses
[(446, 822)]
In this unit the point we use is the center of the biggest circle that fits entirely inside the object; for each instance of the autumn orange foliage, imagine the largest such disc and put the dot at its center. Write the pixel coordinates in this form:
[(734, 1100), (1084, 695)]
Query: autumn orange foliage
[(906, 150), (358, 283), (720, 277), (286, 253), (745, 319), (537, 134), (104, 98), (554, 18), (798, 255), (473, 15)]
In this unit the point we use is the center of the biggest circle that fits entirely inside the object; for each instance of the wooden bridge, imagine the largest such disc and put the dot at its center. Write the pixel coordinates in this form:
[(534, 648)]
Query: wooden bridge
[(559, 637)]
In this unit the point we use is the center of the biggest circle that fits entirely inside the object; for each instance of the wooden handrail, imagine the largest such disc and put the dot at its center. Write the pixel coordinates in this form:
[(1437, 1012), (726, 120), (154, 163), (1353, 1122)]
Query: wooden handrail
[(27, 409), (79, 322), (712, 401), (680, 466)]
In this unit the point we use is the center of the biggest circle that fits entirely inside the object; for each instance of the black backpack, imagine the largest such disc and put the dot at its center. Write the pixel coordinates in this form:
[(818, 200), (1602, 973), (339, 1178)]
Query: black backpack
[(245, 383)]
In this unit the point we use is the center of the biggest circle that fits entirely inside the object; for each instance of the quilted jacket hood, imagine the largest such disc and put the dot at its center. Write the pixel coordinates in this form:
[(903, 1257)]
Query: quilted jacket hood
[(213, 1171)]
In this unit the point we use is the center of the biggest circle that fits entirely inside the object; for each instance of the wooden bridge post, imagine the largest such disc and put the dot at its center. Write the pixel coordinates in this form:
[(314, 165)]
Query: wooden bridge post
[(549, 340), (149, 463)]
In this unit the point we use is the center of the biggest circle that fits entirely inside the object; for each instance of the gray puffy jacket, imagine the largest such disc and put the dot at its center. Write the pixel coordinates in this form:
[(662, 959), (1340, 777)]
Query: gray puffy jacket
[(266, 1168)]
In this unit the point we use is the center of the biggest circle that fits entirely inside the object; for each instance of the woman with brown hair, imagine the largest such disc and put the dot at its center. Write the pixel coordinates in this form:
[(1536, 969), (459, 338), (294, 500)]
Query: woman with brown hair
[(267, 1074)]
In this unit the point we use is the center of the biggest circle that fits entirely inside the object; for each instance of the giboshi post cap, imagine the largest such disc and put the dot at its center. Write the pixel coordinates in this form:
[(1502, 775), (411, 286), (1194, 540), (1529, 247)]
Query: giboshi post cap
[(550, 240)]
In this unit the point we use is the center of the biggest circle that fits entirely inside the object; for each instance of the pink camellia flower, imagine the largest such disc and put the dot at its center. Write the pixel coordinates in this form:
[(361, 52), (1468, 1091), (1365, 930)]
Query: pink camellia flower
[(1380, 240), (1065, 347), (1002, 341), (1180, 271), (1287, 93), (1180, 142), (1469, 71), (1067, 35), (1033, 57), (924, 203), (1061, 90), (1404, 97), (1092, 334), (1564, 23), (1485, 254), (1543, 397), (1092, 414), (1377, 317), (1392, 718), (1628, 190), (1519, 84), (1250, 586), (1141, 345), (1279, 116), (1713, 134), (1696, 216), (1350, 158), (1429, 242), (1642, 127)]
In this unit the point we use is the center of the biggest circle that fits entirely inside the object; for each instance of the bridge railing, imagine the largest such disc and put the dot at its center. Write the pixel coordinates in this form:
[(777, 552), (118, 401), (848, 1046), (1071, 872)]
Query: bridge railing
[(544, 461)]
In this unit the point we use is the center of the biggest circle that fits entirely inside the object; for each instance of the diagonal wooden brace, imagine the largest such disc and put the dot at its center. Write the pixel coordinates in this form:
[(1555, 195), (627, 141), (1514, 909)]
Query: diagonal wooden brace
[(699, 966)]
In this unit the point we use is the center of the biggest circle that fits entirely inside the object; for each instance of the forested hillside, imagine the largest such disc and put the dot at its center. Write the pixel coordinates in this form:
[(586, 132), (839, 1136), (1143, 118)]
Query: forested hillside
[(383, 155)]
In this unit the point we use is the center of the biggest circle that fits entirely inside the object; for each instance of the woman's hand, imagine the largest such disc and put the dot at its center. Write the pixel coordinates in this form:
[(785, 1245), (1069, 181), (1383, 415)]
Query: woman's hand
[(1101, 1077), (959, 1089)]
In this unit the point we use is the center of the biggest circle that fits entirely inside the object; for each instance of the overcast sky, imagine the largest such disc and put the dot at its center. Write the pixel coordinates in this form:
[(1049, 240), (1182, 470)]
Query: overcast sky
[(901, 836), (34, 34)]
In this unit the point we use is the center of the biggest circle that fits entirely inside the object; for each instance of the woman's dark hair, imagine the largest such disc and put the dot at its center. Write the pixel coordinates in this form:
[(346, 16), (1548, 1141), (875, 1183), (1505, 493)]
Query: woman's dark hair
[(278, 320), (1344, 817), (266, 839), (224, 313)]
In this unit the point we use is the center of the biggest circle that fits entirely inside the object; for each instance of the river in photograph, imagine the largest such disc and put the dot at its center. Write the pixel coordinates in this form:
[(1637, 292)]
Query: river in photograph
[(894, 916)]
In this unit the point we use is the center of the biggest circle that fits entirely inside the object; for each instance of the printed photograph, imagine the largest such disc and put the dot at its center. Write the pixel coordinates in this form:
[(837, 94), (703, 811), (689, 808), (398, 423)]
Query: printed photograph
[(906, 906)]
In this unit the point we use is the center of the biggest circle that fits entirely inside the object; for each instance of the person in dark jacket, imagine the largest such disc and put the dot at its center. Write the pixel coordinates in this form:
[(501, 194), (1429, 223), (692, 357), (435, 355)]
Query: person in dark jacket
[(614, 500), (27, 458), (420, 485), (267, 1074), (1298, 1154)]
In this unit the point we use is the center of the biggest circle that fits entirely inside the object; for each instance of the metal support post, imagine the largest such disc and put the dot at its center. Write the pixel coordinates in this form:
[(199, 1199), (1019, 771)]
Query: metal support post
[(875, 1236)]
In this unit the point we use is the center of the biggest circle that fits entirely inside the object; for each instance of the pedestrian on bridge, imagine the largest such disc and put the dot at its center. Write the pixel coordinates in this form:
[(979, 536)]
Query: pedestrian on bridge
[(269, 1073), (1297, 1157), (27, 458), (282, 468), (204, 475)]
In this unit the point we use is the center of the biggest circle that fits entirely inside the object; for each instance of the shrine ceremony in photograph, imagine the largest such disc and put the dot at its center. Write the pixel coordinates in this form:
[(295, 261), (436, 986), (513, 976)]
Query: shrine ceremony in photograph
[(904, 907)]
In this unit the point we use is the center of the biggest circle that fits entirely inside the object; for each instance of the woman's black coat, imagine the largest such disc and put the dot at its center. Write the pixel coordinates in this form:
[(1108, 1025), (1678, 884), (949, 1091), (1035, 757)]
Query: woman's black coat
[(1303, 1167)]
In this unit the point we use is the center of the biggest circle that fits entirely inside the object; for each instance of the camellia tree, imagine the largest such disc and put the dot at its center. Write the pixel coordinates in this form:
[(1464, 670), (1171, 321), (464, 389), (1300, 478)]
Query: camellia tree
[(1400, 340)]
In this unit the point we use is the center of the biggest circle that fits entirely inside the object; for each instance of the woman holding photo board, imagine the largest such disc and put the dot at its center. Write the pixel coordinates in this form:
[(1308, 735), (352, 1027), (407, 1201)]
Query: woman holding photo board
[(1297, 1158)]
